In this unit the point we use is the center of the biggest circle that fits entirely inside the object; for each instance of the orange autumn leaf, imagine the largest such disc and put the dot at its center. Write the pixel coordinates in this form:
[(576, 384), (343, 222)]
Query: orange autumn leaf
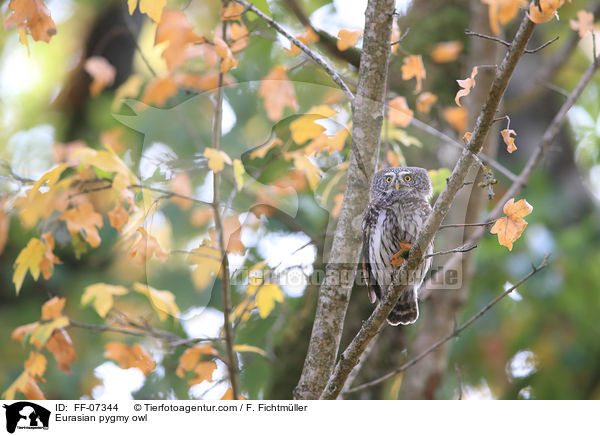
[(509, 140), (49, 259), (35, 365), (510, 227), (84, 219), (399, 114), (28, 260), (191, 357), (118, 216), (203, 371), (227, 60), (130, 356), (307, 37), (239, 37), (502, 11), (176, 31), (102, 72), (182, 185), (445, 52), (424, 102), (152, 8), (348, 38), (61, 347), (545, 12), (399, 258), (145, 247), (159, 90), (583, 24), (413, 68), (32, 15), (233, 11), (457, 118), (52, 309), (277, 92), (204, 82), (467, 84), (20, 332)]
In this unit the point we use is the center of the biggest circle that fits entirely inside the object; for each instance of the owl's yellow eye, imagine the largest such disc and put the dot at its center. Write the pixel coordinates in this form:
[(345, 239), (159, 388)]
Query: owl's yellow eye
[(388, 179), (407, 178)]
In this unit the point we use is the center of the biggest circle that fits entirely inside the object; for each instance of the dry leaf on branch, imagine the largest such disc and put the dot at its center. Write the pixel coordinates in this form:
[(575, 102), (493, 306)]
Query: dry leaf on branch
[(509, 140), (413, 67), (130, 356), (510, 227), (467, 84), (32, 15)]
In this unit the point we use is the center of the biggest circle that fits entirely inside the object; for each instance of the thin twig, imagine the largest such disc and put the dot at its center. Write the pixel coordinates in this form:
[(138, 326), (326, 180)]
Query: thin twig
[(152, 333), (462, 249), (507, 44), (455, 333), (448, 226), (544, 45), (316, 57), (401, 37)]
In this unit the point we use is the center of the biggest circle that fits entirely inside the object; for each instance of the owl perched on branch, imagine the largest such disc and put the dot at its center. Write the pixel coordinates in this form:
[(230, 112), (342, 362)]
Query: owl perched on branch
[(398, 208)]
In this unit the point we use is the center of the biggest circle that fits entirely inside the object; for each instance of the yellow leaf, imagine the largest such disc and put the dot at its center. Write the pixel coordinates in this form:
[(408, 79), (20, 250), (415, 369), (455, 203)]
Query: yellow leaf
[(305, 128), (444, 52), (310, 170), (424, 102), (145, 247), (466, 84), (348, 38), (509, 140), (43, 331), (102, 72), (28, 259), (130, 356), (510, 227), (208, 261), (413, 67), (399, 113), (177, 32), (61, 347), (130, 88), (277, 92), (35, 365), (266, 297), (227, 60), (152, 8), (19, 333), (17, 386), (32, 15), (216, 159), (545, 12), (262, 150), (457, 118), (584, 23), (52, 309), (203, 371), (84, 219), (102, 295), (49, 259), (191, 357), (163, 301), (249, 349), (503, 11), (238, 173)]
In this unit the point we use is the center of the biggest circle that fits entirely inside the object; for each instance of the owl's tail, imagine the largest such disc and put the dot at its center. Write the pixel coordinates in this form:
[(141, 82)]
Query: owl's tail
[(406, 310)]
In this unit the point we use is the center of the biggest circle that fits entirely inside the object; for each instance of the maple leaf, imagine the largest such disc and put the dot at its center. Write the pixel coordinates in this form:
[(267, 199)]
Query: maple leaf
[(266, 297), (510, 227), (145, 247), (445, 52), (84, 219), (216, 159), (32, 15), (227, 60), (49, 259), (43, 330), (35, 365), (152, 8), (502, 11), (583, 24), (208, 265), (26, 384), (239, 37), (424, 102), (545, 12), (102, 72), (102, 295), (159, 90), (467, 84), (233, 11), (203, 371), (61, 347), (162, 301), (20, 332), (52, 309), (399, 114), (28, 259), (307, 37), (457, 118), (306, 166), (277, 92), (402, 254), (191, 357), (413, 67), (509, 140), (118, 217), (304, 128), (348, 38), (176, 30), (130, 356)]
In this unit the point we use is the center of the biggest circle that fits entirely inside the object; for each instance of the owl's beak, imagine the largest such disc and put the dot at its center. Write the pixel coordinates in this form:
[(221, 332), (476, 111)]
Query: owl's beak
[(397, 185)]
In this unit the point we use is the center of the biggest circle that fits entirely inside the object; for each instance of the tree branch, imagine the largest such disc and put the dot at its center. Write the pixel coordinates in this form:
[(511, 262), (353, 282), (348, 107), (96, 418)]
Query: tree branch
[(372, 326), (316, 57), (455, 333)]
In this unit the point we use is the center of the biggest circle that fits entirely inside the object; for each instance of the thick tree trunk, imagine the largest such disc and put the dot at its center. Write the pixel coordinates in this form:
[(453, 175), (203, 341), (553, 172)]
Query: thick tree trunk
[(367, 120)]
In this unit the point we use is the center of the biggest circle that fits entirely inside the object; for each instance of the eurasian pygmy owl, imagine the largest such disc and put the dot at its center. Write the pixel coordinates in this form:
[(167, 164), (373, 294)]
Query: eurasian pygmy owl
[(398, 208)]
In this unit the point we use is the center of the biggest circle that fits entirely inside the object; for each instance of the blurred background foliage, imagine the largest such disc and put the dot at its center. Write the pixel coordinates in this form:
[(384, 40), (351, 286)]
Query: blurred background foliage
[(542, 342)]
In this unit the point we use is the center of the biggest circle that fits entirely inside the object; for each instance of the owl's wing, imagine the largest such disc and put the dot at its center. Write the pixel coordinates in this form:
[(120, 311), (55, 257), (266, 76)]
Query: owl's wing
[(369, 222)]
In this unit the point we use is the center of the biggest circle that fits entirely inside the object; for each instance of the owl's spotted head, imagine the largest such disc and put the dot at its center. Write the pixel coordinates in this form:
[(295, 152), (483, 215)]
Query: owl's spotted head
[(397, 181)]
